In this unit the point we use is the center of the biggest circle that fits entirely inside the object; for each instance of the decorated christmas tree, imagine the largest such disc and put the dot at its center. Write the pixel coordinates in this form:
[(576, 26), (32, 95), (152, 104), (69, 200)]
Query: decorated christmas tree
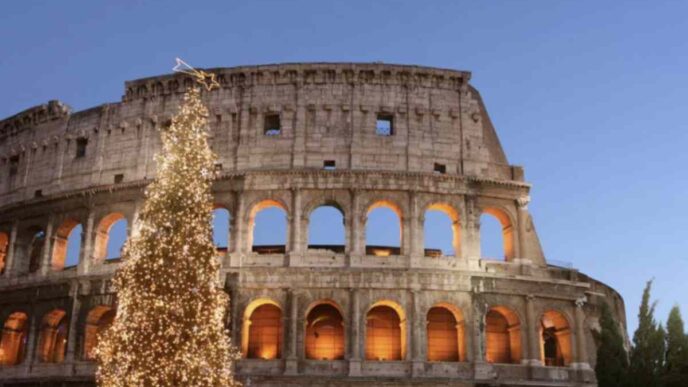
[(169, 328)]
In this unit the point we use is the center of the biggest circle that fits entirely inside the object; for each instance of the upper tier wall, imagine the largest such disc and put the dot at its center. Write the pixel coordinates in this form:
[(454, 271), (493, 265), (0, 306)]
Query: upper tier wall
[(327, 112)]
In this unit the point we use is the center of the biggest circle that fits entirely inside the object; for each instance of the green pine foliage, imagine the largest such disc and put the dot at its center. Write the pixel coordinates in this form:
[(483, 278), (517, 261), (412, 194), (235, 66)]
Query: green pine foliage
[(647, 355), (676, 370), (612, 360)]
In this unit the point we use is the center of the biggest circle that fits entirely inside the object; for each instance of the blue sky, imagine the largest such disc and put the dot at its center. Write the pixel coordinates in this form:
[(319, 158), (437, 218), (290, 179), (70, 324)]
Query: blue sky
[(589, 96)]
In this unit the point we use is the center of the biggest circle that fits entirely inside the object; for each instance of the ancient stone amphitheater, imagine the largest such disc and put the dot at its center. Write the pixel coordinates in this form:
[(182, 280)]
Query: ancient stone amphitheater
[(357, 137)]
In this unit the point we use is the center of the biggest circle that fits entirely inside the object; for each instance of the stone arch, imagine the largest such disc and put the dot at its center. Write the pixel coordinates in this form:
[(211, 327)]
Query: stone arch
[(67, 235), (373, 249), (97, 321), (256, 208), (508, 237), (446, 337), (221, 225), (15, 335), (104, 247), (334, 221), (52, 341), (325, 333), (502, 335), (261, 330), (4, 244), (555, 339), (453, 215), (385, 338)]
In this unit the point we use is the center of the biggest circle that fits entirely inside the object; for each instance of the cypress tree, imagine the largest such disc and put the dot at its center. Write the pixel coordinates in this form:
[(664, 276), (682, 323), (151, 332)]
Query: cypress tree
[(612, 360), (676, 373), (647, 355)]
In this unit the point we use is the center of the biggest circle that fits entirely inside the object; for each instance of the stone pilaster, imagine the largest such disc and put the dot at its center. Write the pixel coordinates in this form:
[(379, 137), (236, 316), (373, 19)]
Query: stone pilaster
[(355, 334), (522, 215), (292, 362), (73, 328), (86, 258), (417, 325), (532, 348), (581, 359), (296, 224), (48, 243), (10, 257)]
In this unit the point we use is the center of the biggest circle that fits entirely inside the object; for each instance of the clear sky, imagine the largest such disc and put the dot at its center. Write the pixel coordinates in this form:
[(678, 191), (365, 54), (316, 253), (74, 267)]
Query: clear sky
[(589, 96)]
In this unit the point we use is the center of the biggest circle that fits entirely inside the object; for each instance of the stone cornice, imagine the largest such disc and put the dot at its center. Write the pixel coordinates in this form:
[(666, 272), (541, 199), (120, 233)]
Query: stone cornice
[(33, 116)]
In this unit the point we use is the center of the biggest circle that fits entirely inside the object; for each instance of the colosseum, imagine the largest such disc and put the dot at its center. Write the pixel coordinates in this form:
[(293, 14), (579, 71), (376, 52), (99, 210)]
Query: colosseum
[(359, 138)]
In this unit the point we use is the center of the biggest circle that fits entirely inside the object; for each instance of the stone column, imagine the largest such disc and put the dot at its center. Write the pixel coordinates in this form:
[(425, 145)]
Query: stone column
[(292, 363), (47, 251), (239, 245), (532, 348), (417, 324), (73, 328), (295, 226), (357, 239), (11, 252), (34, 335), (581, 360), (482, 370), (522, 215), (86, 254), (470, 235), (355, 333), (416, 243)]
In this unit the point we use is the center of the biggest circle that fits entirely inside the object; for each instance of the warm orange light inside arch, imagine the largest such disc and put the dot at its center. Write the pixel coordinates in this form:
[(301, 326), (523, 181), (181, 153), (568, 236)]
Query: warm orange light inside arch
[(502, 336), (454, 217), (14, 337), (555, 339), (258, 207), (103, 234), (53, 339), (507, 231), (324, 333), (385, 332), (445, 334), (4, 242), (98, 320), (261, 332), (62, 234)]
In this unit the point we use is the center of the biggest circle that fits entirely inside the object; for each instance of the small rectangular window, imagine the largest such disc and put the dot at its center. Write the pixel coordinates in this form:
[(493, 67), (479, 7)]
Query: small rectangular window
[(440, 168), (384, 125), (119, 178), (38, 193), (81, 147), (271, 125), (329, 165), (14, 165)]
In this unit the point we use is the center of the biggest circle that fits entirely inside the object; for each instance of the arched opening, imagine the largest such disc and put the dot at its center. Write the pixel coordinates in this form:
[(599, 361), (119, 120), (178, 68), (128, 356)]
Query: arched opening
[(221, 228), (383, 229), (268, 228), (111, 235), (496, 235), (555, 339), (98, 320), (15, 334), (262, 331), (446, 337), (67, 245), (385, 332), (53, 337), (324, 333), (35, 249), (441, 230), (4, 243), (502, 336), (326, 229)]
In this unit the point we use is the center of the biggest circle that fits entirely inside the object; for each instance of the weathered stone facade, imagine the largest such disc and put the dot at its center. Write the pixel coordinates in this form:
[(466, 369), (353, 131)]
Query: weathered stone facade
[(59, 167)]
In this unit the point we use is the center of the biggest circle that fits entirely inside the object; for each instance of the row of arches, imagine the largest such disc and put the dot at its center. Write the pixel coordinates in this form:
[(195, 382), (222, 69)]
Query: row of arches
[(385, 333), (268, 229)]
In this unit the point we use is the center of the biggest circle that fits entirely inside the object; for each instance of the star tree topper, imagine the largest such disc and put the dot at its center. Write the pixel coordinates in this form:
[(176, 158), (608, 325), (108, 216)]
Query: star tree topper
[(208, 80)]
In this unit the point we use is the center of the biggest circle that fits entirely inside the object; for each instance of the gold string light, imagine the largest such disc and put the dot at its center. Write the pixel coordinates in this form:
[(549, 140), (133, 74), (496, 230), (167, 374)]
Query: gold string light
[(169, 329)]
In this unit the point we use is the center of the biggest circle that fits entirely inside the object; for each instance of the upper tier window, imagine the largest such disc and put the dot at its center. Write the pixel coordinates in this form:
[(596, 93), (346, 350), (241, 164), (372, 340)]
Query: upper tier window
[(14, 165), (81, 147), (384, 125), (271, 125)]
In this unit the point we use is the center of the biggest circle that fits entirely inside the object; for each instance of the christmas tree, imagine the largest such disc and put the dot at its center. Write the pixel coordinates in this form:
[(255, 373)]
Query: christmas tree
[(169, 327)]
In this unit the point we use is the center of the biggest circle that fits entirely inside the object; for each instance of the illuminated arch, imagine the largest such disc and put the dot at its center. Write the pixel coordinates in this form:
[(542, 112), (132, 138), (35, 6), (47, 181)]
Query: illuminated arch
[(221, 227), (375, 210), (325, 333), (53, 337), (105, 246), (4, 243), (97, 321), (453, 215), (329, 218), (555, 339), (67, 244), (261, 330), (15, 335), (446, 339), (507, 230), (502, 336), (276, 245), (385, 332)]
